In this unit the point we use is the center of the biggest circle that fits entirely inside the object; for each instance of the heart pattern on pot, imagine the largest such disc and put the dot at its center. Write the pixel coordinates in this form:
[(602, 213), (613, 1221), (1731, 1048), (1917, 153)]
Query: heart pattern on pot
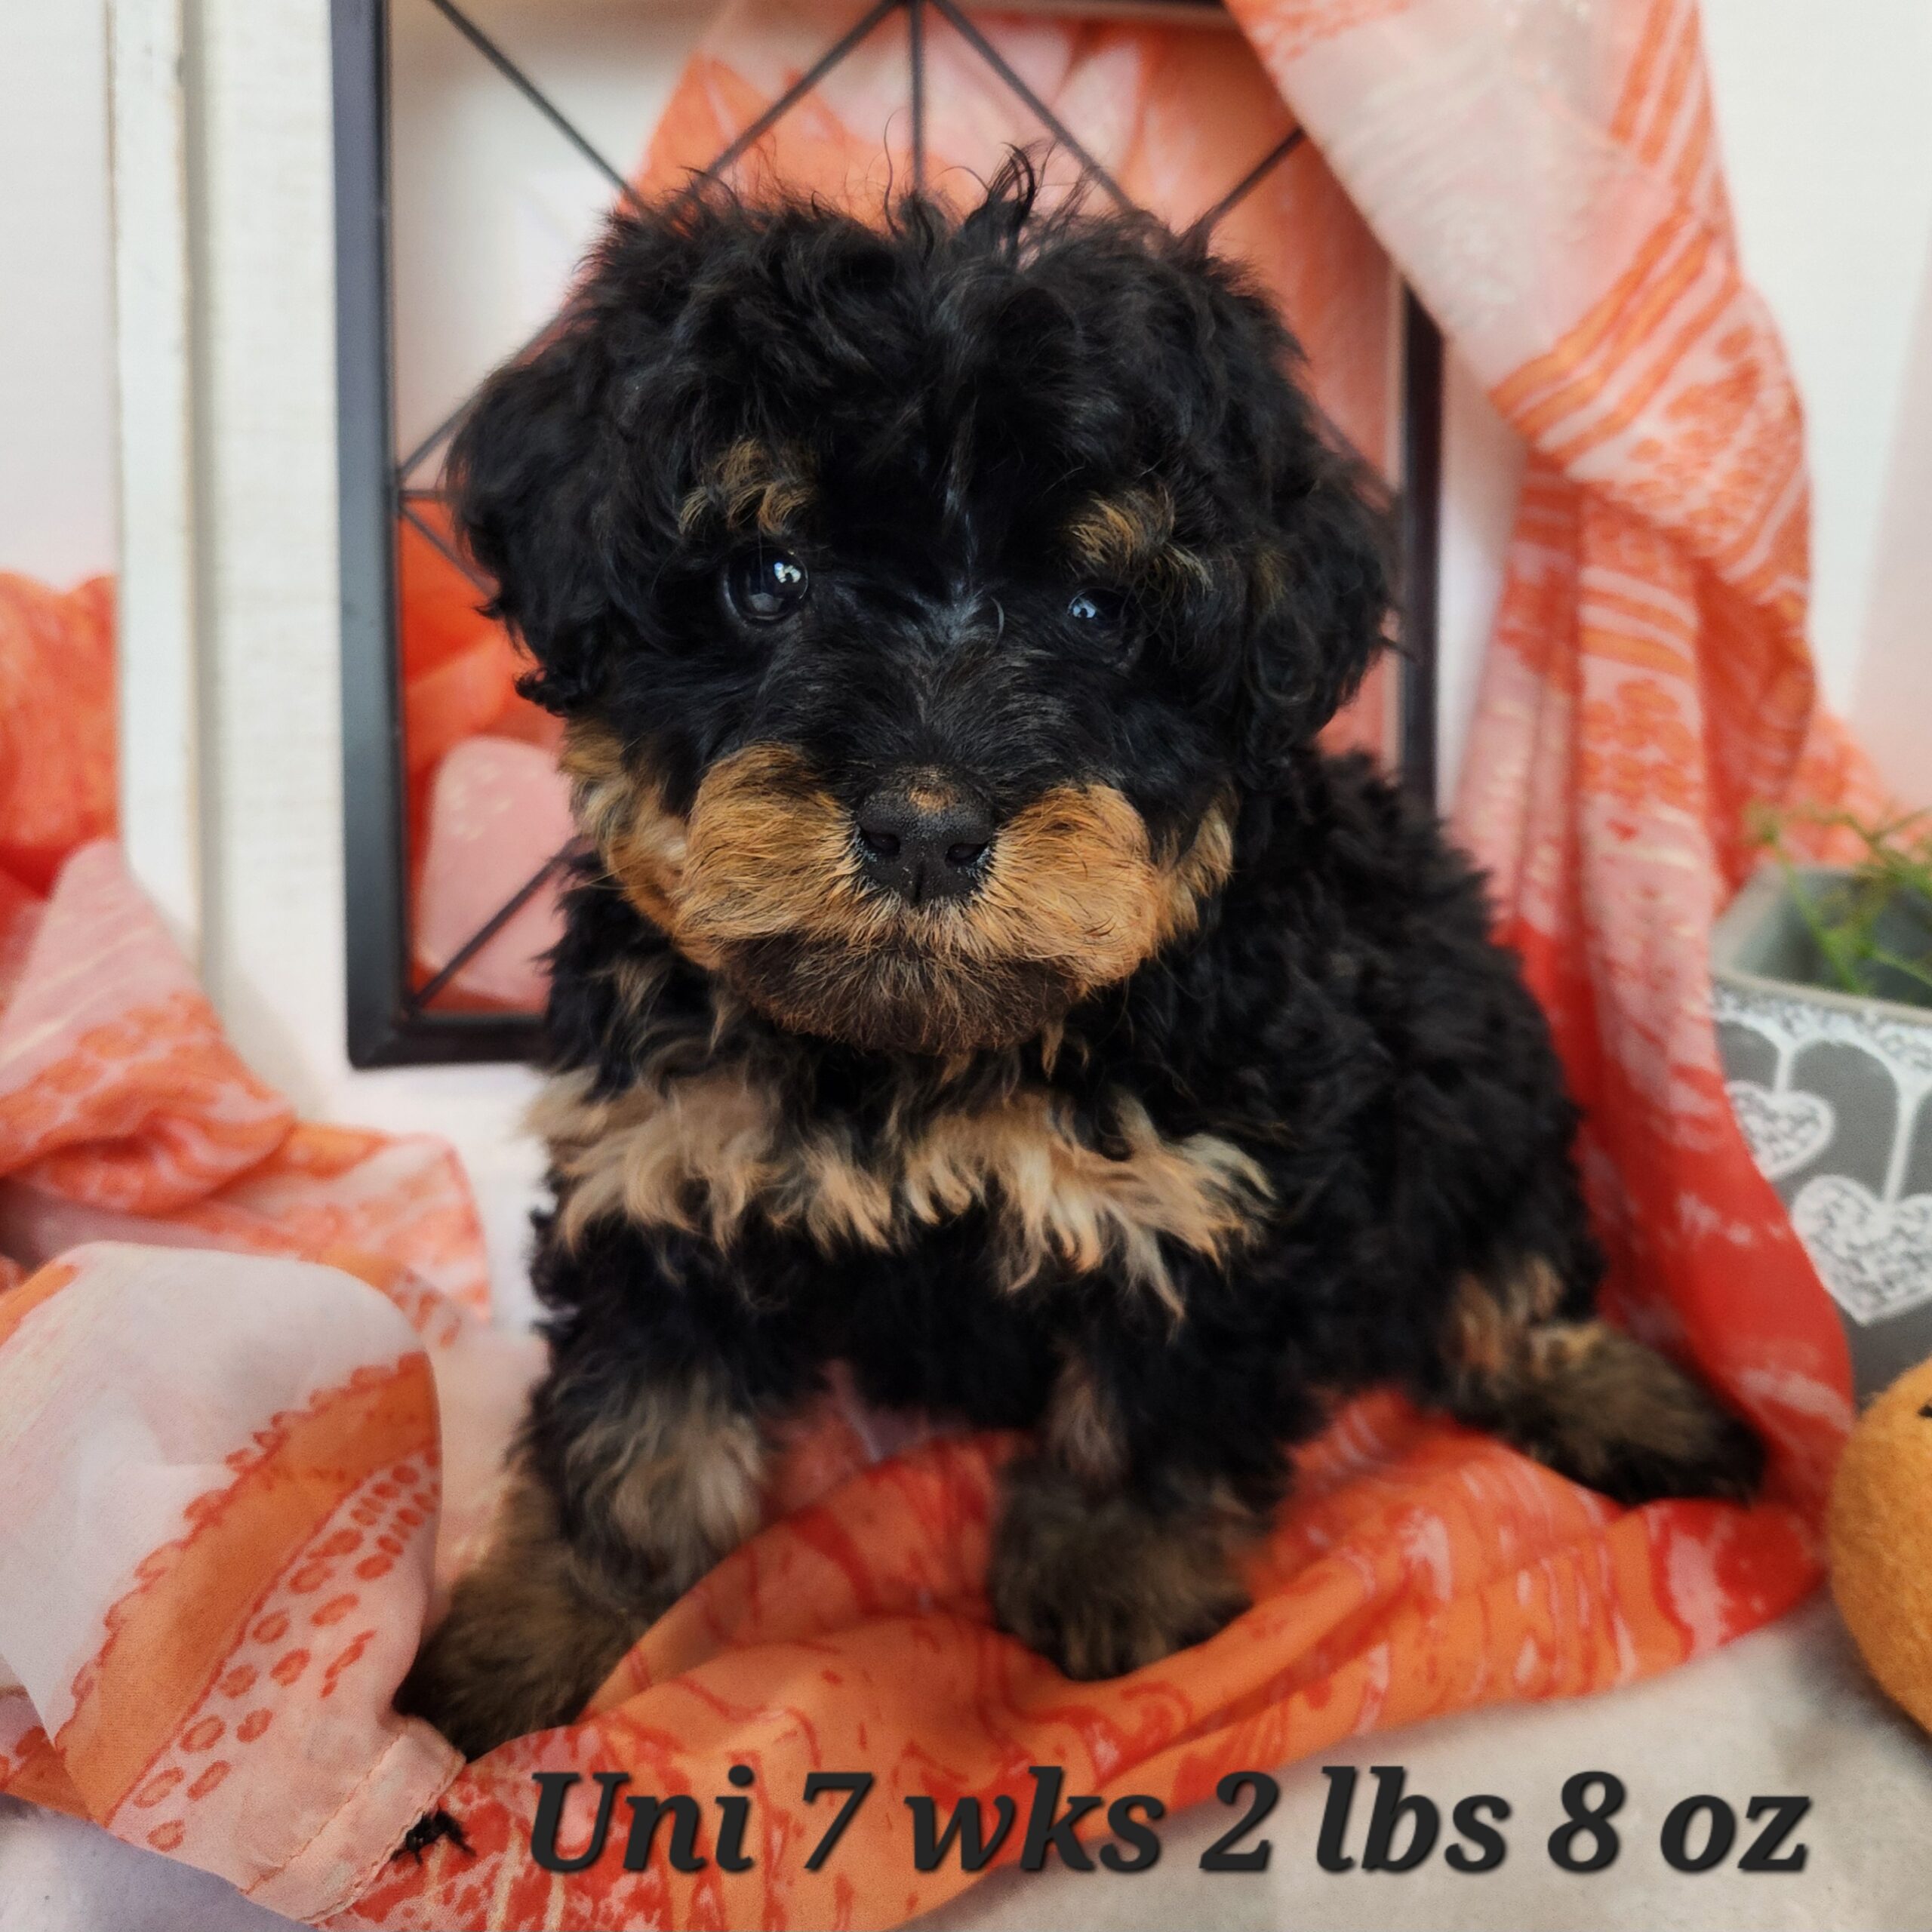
[(1875, 1259), (1782, 1131)]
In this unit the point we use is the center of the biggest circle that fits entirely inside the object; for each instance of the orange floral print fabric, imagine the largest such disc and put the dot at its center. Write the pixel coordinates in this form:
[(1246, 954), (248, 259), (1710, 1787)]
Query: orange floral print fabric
[(57, 727)]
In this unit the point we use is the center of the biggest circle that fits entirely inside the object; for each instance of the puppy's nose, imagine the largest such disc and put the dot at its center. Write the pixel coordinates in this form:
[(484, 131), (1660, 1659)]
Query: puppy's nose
[(923, 842)]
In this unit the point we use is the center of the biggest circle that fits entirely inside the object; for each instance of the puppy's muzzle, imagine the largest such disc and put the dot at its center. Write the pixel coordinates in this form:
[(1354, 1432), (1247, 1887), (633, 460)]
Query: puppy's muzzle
[(922, 843)]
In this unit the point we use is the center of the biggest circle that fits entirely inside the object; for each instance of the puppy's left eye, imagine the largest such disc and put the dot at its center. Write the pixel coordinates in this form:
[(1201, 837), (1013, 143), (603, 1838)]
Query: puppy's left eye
[(764, 586), (1101, 609)]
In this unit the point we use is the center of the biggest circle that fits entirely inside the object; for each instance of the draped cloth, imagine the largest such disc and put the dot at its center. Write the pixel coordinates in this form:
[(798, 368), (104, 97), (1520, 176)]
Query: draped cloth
[(1548, 178), (247, 1440)]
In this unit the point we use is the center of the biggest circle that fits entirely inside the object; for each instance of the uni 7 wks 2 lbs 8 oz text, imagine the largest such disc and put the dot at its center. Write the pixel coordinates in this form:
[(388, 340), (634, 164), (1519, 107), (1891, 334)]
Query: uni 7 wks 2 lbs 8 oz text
[(1402, 1832)]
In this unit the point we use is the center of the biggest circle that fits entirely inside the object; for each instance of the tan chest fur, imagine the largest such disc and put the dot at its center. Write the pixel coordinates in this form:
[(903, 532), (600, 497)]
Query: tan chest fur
[(708, 1150)]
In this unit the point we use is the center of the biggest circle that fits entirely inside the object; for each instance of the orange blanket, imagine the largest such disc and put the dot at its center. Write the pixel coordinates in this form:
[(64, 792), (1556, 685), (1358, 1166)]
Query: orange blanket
[(248, 1445)]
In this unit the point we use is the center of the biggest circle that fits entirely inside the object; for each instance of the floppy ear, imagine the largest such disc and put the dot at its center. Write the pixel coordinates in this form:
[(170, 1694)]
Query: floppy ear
[(1320, 552), (1320, 604), (563, 475)]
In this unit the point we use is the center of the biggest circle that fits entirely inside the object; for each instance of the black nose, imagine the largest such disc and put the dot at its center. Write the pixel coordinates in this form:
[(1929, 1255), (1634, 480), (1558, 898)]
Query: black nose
[(924, 842)]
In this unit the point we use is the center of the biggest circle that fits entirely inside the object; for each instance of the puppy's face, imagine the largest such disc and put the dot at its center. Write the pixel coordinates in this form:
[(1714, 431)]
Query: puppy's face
[(922, 603)]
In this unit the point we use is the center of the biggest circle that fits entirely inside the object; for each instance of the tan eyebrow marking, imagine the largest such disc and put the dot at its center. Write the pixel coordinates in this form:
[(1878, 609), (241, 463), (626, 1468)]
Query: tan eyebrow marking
[(1131, 537), (750, 486)]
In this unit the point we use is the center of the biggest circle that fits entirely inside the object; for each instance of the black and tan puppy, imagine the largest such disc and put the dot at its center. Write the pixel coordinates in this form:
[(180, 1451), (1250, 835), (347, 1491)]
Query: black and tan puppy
[(980, 976)]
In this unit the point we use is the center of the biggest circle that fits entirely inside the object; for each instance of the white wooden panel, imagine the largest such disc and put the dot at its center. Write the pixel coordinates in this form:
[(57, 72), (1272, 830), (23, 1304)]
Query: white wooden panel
[(264, 296), (160, 685)]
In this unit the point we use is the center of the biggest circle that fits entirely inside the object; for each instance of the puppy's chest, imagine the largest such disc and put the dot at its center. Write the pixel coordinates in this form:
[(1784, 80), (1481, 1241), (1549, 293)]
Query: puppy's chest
[(711, 1151)]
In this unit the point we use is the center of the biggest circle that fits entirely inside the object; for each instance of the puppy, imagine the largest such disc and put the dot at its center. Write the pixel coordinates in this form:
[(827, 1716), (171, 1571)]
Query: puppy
[(980, 976)]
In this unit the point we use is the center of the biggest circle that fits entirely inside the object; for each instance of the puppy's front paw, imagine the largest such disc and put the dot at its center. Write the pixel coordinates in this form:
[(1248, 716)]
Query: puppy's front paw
[(1101, 1586), (524, 1643), (505, 1663)]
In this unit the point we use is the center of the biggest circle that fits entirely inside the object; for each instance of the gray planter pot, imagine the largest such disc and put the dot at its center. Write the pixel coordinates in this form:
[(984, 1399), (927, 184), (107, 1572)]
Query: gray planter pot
[(1830, 1090)]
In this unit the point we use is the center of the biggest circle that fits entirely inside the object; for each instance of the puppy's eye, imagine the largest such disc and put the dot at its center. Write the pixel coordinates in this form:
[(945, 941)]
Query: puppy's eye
[(1101, 609), (763, 585)]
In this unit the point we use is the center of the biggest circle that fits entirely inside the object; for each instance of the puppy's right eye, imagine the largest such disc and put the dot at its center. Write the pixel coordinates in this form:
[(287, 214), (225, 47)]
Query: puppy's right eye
[(763, 585), (1091, 608)]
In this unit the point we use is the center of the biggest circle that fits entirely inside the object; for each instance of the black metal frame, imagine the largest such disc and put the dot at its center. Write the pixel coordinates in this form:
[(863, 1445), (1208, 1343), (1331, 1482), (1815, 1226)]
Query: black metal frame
[(391, 1023)]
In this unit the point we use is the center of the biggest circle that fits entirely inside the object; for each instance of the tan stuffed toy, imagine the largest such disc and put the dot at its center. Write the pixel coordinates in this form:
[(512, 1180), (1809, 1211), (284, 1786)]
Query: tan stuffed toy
[(1881, 1539)]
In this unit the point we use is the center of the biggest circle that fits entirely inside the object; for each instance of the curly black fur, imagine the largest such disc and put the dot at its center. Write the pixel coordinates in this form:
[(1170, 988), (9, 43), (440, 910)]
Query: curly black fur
[(965, 384), (954, 395)]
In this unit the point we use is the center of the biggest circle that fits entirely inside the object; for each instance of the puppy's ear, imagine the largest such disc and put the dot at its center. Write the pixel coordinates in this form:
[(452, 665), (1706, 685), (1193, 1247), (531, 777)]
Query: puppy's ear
[(1320, 595), (562, 479), (1320, 553)]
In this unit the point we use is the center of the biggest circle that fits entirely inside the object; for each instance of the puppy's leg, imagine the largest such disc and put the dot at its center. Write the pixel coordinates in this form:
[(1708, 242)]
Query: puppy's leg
[(1586, 1400), (622, 1498), (1101, 1574), (529, 1633)]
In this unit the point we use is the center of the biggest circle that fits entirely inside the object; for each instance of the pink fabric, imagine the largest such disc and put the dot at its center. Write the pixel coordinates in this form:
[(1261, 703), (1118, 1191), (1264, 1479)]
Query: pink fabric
[(499, 809), (1549, 180), (125, 1114)]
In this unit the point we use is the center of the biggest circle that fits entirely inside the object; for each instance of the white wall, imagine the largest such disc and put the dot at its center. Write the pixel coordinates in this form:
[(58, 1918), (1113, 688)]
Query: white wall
[(56, 438), (1892, 704), (491, 209), (1826, 110), (1482, 469)]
